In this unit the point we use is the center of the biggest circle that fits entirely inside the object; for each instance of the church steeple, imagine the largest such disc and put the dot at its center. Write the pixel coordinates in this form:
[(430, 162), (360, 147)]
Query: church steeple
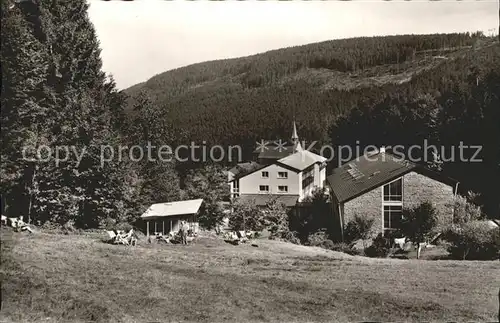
[(295, 139)]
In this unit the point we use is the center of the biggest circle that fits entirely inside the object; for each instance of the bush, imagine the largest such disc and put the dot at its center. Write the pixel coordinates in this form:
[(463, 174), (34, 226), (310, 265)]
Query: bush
[(314, 215), (464, 211), (419, 222), (359, 228), (322, 240), (286, 236), (380, 248), (246, 216), (123, 226), (319, 239), (276, 221), (108, 224), (474, 240)]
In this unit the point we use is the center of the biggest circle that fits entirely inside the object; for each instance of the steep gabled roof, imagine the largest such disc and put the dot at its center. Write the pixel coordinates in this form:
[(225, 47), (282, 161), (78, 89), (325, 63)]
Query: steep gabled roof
[(172, 208), (272, 153), (301, 160), (273, 149), (242, 168), (370, 171)]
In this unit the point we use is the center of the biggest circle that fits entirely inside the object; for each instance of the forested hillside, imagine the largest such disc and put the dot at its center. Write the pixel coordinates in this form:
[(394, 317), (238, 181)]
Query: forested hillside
[(449, 80), (256, 96)]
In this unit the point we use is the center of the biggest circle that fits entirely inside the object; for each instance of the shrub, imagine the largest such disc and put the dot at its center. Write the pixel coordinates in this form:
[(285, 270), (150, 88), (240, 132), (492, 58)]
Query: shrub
[(107, 223), (359, 228), (314, 215), (418, 223), (380, 248), (464, 211), (276, 220), (123, 226), (287, 236), (319, 239), (246, 216), (322, 240), (474, 240), (69, 227)]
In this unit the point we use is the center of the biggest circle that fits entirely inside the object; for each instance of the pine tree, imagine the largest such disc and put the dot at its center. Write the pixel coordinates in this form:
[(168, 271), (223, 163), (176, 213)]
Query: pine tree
[(25, 109), (63, 99), (159, 181)]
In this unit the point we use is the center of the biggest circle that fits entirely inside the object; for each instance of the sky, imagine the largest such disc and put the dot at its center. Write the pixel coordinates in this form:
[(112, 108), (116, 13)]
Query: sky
[(140, 39)]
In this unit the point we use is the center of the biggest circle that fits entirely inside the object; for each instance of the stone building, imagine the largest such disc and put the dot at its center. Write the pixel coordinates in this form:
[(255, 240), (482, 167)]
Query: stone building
[(380, 185)]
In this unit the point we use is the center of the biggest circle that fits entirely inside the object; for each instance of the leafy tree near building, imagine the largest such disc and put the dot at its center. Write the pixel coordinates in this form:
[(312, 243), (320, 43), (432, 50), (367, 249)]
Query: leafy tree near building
[(246, 216), (210, 184), (418, 223)]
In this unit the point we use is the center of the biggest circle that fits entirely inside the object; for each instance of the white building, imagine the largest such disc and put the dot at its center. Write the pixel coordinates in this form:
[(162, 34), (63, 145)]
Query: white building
[(289, 175)]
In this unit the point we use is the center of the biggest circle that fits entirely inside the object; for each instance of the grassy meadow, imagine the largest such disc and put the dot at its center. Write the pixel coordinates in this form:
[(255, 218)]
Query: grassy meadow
[(78, 278)]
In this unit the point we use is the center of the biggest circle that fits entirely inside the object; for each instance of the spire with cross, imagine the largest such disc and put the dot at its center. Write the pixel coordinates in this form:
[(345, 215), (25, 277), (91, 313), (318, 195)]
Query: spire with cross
[(295, 139)]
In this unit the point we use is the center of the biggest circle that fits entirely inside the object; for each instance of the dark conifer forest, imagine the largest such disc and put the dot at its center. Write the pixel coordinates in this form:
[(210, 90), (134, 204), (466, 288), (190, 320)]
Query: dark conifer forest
[(383, 91)]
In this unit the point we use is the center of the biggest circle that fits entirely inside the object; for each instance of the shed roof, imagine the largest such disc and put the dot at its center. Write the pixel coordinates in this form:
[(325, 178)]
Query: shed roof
[(172, 208), (370, 171)]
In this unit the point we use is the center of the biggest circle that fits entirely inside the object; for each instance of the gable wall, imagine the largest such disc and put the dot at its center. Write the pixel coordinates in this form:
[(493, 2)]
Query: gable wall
[(419, 188), (249, 184), (368, 204)]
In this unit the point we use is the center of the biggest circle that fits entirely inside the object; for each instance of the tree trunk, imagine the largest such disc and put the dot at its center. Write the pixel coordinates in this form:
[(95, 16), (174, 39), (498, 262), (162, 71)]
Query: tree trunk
[(3, 204), (31, 193), (466, 252), (419, 248)]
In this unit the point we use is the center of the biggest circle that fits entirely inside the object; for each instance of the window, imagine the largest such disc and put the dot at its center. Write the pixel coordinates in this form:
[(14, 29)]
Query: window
[(393, 192), (265, 174), (282, 189), (307, 177), (236, 187), (307, 181), (282, 174), (308, 173), (393, 214), (392, 202), (264, 188)]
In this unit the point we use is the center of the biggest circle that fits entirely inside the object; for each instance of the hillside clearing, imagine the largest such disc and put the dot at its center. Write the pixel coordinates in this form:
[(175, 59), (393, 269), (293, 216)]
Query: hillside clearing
[(75, 278)]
